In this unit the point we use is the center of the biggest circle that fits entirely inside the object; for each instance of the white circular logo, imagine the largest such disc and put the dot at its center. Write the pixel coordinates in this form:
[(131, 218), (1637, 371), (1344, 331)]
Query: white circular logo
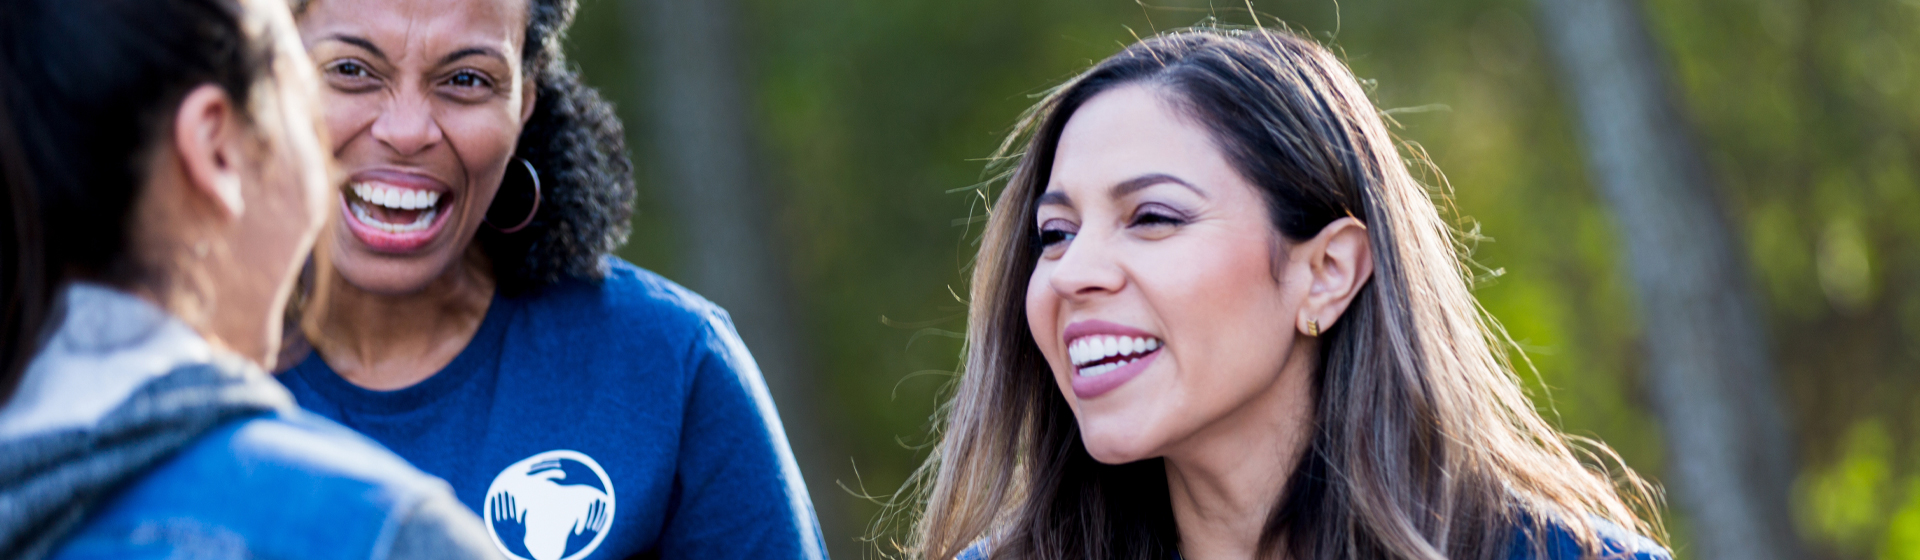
[(555, 505)]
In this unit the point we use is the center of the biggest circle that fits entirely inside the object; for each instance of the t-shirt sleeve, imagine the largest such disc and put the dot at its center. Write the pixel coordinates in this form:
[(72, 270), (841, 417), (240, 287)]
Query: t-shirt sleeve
[(1559, 543), (737, 492)]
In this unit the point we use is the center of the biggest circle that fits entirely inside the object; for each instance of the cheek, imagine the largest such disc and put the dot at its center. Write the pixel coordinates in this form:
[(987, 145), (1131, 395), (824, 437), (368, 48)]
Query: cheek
[(1227, 319), (346, 116), (316, 172), (303, 161), (1219, 278), (292, 170), (484, 137), (1042, 310), (281, 217)]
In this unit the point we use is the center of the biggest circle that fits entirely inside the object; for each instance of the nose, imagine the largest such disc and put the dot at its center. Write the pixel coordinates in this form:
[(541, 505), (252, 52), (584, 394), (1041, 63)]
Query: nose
[(407, 126), (1089, 267)]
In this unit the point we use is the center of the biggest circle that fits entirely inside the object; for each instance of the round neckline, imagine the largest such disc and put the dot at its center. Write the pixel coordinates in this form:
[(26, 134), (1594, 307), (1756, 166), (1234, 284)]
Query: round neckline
[(483, 348)]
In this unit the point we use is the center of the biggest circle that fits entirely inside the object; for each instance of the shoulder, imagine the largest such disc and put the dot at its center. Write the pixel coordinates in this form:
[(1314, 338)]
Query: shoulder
[(1559, 543), (246, 483), (296, 453), (303, 443), (627, 300), (642, 319)]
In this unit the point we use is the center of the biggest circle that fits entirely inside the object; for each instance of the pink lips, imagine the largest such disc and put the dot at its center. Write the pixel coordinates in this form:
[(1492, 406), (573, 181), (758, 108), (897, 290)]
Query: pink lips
[(394, 242), (1088, 387)]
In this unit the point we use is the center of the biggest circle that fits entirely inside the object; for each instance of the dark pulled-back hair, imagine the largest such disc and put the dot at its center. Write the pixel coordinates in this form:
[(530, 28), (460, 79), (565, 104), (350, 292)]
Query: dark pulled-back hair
[(87, 89), (1423, 445), (579, 147)]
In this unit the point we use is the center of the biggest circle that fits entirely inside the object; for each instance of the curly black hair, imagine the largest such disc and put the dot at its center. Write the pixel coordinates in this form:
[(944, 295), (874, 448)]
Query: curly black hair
[(578, 146)]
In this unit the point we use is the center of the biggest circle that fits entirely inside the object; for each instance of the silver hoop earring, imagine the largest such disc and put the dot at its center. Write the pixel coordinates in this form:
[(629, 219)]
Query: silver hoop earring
[(533, 176)]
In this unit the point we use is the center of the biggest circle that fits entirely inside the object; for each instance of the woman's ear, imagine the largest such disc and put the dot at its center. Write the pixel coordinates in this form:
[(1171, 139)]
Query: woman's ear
[(208, 139), (528, 101), (1340, 260)]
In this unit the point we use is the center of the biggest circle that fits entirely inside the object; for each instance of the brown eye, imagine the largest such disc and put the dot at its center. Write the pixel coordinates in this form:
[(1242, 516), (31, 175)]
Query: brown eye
[(350, 69), (350, 75), (1153, 215), (1054, 236), (468, 79)]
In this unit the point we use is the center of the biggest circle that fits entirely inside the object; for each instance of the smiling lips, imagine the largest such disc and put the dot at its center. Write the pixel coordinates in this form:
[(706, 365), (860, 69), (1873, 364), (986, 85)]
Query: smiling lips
[(1107, 355), (394, 212), (394, 204), (1097, 354)]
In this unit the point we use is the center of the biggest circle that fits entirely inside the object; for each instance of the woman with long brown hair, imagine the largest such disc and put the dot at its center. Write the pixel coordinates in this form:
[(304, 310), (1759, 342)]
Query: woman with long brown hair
[(1215, 316)]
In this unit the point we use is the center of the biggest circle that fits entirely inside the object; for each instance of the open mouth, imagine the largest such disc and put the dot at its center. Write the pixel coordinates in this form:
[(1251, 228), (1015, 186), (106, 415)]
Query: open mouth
[(393, 217), (1098, 354), (394, 209)]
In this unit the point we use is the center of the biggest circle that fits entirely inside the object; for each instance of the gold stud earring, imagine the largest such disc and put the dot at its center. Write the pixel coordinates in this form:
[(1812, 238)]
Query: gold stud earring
[(1313, 327)]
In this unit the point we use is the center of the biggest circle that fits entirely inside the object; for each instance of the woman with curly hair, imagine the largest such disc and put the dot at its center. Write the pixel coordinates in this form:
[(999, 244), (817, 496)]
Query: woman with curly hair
[(466, 313), (1215, 316)]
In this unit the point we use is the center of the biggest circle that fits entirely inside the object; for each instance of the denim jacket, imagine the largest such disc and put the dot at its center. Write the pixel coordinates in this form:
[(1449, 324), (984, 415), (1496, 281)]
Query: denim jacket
[(130, 437), (286, 484)]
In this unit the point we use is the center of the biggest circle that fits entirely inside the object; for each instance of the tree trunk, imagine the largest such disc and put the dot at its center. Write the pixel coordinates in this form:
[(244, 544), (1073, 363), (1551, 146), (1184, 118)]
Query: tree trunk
[(704, 139), (1712, 379)]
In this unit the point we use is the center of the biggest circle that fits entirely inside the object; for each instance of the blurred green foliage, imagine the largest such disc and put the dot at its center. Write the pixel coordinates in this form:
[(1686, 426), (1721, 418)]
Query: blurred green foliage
[(874, 116)]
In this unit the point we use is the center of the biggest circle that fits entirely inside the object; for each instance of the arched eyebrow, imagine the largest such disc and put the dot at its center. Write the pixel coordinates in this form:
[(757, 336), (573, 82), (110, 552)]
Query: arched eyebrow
[(1136, 184), (1052, 198), (1122, 189), (472, 51), (361, 42)]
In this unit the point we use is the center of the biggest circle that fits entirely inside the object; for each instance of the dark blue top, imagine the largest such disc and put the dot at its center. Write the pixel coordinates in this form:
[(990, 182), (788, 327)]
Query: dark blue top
[(597, 420), (1616, 543)]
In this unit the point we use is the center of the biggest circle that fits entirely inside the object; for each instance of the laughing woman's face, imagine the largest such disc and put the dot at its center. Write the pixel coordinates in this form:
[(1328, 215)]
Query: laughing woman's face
[(1158, 300), (424, 100)]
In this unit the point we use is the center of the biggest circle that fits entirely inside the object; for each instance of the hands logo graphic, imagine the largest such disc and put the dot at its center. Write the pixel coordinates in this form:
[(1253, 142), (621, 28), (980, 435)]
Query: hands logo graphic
[(586, 530), (556, 505), (508, 523)]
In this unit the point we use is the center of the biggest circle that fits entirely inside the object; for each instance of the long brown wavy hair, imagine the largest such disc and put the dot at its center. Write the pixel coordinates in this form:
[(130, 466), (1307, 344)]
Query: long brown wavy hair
[(1424, 445)]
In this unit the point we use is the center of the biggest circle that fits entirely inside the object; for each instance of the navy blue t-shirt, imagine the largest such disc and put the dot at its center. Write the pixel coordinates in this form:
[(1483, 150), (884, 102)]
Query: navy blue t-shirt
[(597, 421)]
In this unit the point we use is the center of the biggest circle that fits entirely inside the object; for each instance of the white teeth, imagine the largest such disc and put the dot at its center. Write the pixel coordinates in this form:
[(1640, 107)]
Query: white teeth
[(1090, 349), (1103, 368), (396, 198), (425, 219)]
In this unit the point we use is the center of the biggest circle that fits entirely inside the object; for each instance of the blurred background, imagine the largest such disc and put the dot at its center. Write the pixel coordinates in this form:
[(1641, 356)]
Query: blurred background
[(816, 167)]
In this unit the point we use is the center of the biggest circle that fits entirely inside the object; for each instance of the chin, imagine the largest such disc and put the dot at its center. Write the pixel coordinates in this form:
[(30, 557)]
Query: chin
[(1115, 441), (389, 276)]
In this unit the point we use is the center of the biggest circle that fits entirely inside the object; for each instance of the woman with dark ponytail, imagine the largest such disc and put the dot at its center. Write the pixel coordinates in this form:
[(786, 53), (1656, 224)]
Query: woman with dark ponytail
[(469, 315), (164, 180)]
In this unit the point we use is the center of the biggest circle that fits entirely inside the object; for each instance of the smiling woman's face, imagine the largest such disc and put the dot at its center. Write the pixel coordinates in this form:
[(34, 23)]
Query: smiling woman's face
[(424, 100), (1156, 300)]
